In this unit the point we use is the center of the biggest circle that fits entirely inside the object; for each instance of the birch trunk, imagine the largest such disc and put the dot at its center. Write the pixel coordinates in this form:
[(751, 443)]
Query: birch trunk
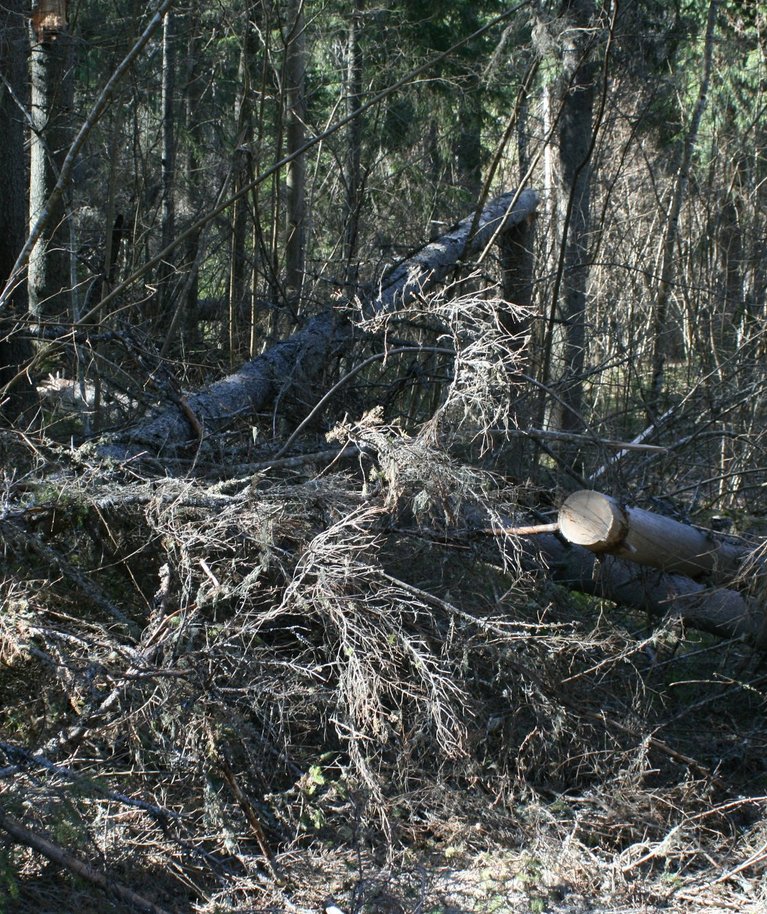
[(51, 73)]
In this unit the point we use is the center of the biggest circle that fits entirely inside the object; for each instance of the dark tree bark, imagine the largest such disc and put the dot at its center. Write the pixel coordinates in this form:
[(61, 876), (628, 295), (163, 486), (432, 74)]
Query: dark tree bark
[(468, 148), (516, 247), (354, 143), (723, 612), (243, 113), (573, 148), (168, 170), (190, 174), (18, 400), (569, 170), (295, 366), (295, 101)]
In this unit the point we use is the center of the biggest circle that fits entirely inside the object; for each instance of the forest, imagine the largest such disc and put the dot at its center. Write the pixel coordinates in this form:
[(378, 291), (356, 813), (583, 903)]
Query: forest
[(383, 402)]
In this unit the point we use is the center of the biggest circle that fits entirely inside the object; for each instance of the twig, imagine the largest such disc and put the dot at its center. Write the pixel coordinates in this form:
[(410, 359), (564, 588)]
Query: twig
[(635, 445), (520, 531), (55, 559), (347, 377), (23, 835), (757, 857), (243, 801), (21, 758)]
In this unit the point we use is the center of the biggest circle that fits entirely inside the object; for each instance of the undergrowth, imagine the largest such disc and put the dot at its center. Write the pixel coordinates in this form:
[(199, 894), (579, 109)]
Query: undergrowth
[(221, 683), (339, 674)]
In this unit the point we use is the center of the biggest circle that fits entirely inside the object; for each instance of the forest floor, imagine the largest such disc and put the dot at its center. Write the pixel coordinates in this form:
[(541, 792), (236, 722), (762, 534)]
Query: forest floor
[(198, 673)]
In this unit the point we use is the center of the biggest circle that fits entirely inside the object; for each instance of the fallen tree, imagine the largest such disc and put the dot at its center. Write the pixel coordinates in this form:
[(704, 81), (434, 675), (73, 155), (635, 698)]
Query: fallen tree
[(292, 367), (605, 526), (720, 611), (650, 562)]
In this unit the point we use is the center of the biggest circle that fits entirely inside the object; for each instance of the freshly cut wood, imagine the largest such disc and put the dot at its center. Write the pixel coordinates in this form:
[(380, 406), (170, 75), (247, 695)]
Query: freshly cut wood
[(602, 524), (292, 368)]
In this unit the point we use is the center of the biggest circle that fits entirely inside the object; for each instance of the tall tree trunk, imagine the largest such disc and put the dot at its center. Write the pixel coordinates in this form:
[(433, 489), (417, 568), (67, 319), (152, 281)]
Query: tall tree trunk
[(573, 149), (660, 309), (51, 70), (168, 213), (242, 168), (17, 397), (190, 172), (354, 147), (468, 150), (184, 194), (295, 100)]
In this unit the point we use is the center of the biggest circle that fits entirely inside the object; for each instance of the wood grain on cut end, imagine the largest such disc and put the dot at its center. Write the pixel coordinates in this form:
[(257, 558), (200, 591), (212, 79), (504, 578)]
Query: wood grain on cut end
[(593, 520)]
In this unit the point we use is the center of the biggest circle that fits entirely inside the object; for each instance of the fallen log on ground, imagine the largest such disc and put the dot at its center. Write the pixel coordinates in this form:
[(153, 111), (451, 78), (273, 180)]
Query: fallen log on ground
[(723, 612), (295, 364), (604, 526)]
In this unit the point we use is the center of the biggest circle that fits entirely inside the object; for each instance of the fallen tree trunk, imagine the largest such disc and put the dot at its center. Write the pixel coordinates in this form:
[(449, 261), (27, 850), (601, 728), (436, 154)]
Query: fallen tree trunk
[(295, 364), (605, 526), (723, 612)]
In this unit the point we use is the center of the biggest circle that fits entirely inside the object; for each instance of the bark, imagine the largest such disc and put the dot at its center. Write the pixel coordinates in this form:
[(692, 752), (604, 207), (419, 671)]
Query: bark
[(18, 400), (516, 249), (51, 69), (574, 152), (432, 264), (186, 191), (295, 100), (605, 526), (569, 172), (468, 149), (296, 365), (722, 612), (168, 170), (354, 145), (243, 113)]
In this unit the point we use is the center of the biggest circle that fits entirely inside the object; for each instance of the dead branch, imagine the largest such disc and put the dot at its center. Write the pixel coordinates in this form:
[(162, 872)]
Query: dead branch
[(54, 852)]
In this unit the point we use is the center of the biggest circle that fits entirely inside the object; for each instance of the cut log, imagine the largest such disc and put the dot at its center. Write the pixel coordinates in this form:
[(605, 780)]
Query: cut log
[(603, 525), (723, 612), (297, 363)]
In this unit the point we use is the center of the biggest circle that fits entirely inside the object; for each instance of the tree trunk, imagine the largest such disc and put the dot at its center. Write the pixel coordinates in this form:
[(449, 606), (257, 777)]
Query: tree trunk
[(17, 393), (605, 526), (238, 271), (51, 68), (354, 145), (719, 611), (468, 149), (516, 249), (168, 170), (574, 149), (297, 364), (295, 100)]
